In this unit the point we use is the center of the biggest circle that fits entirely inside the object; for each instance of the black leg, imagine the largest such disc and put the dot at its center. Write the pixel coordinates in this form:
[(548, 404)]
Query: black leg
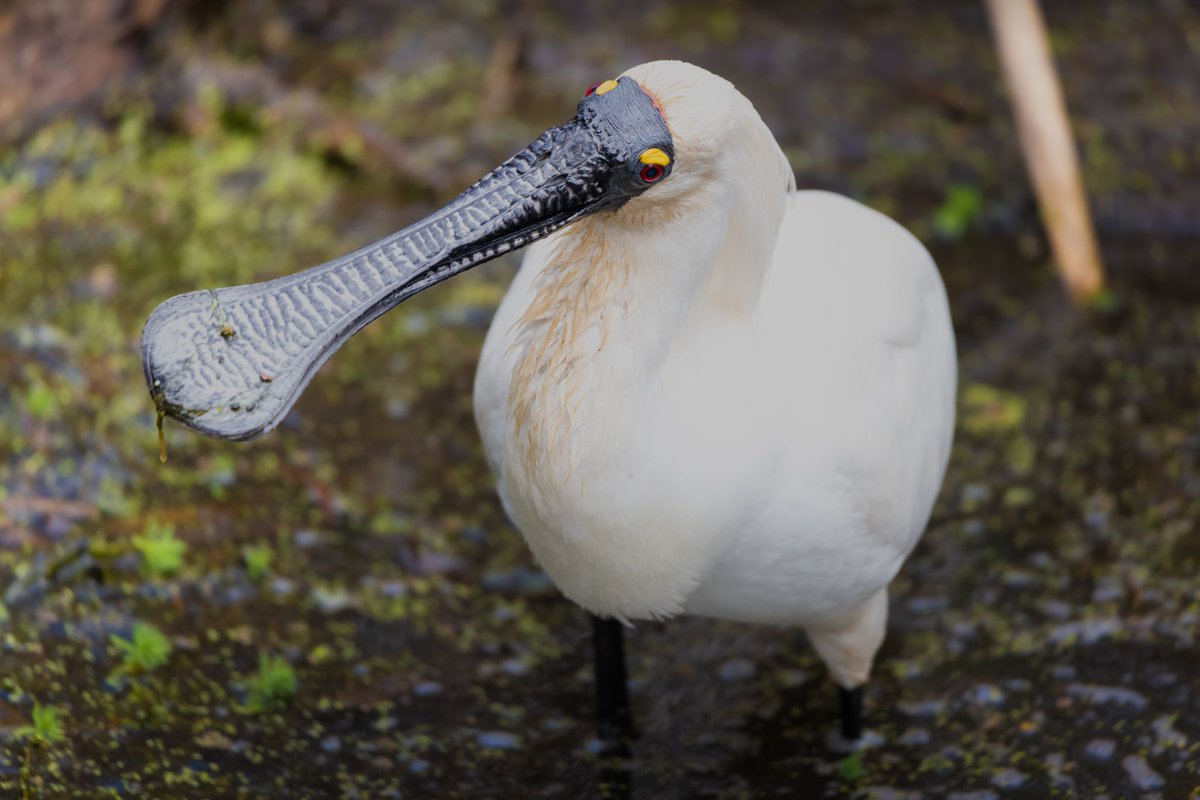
[(615, 723), (616, 778), (851, 701)]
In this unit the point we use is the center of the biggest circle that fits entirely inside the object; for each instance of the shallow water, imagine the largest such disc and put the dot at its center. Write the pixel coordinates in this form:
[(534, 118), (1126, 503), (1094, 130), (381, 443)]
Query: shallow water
[(1042, 638)]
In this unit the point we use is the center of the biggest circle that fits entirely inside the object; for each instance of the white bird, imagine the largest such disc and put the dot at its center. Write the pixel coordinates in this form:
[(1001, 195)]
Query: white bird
[(705, 392), (728, 398)]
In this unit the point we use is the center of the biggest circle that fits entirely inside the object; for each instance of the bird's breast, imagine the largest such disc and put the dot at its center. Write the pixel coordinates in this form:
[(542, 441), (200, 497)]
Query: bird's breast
[(658, 462), (624, 487), (617, 448)]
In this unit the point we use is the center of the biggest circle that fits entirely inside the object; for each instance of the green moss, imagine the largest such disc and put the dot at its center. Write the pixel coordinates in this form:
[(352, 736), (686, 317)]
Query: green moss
[(41, 401), (958, 212), (147, 649), (162, 553), (257, 559), (274, 683), (851, 767), (986, 409), (47, 726)]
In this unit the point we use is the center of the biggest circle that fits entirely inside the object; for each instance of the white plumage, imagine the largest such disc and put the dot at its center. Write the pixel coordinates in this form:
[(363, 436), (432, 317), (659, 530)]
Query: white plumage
[(727, 398)]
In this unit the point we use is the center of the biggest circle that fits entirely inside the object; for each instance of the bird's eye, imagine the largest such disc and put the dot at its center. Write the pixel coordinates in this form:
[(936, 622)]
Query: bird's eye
[(652, 172), (592, 89)]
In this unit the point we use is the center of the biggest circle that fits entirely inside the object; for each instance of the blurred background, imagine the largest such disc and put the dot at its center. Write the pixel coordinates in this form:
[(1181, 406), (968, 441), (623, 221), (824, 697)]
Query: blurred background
[(341, 610)]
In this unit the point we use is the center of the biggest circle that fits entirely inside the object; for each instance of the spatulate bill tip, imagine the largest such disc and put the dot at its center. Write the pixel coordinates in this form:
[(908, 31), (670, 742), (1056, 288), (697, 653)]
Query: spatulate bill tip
[(199, 374)]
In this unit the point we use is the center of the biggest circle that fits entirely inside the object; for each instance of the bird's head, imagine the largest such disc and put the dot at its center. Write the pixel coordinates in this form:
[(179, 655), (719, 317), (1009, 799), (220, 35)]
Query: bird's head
[(231, 362), (720, 142)]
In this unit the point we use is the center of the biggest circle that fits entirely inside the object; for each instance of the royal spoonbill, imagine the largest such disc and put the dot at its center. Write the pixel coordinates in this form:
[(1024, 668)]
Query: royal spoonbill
[(705, 392)]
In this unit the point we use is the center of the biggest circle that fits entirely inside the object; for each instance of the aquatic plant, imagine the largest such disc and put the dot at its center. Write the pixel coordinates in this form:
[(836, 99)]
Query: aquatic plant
[(274, 683), (958, 212), (46, 729), (851, 767), (46, 726), (40, 400), (162, 553), (257, 558), (147, 649)]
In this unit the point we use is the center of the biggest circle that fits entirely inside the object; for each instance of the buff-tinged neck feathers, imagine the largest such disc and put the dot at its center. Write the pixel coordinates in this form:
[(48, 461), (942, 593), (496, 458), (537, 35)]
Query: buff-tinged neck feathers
[(566, 323), (698, 243)]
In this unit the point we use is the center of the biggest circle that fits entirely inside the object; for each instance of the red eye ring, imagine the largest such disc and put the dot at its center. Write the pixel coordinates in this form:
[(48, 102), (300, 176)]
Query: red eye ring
[(652, 172), (591, 89)]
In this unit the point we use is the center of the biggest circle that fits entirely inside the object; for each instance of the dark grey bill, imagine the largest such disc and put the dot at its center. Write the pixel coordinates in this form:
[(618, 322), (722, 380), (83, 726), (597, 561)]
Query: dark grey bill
[(231, 362)]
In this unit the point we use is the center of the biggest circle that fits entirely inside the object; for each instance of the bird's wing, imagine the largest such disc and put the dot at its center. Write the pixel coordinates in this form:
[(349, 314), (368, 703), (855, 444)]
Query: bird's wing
[(859, 314)]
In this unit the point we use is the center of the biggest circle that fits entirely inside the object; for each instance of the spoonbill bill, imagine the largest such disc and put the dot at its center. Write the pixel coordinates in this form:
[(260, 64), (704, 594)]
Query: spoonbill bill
[(705, 392)]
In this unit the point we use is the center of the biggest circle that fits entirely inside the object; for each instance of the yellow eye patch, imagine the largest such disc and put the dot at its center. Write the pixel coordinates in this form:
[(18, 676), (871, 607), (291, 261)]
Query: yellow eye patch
[(606, 87), (655, 156)]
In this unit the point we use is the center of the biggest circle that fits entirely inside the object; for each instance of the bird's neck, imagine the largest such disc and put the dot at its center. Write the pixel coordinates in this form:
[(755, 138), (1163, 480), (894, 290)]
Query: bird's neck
[(617, 293)]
